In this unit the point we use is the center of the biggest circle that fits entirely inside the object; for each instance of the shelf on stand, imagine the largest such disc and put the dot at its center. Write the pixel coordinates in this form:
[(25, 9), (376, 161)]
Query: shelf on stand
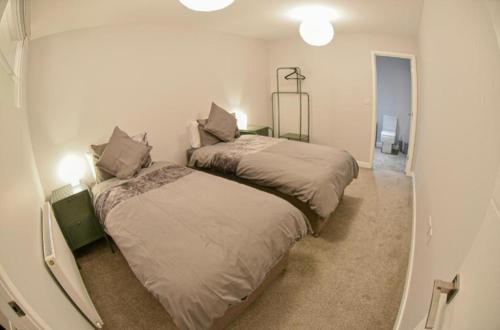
[(296, 137)]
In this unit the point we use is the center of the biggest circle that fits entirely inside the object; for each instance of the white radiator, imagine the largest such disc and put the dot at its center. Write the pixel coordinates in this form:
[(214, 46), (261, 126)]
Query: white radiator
[(62, 264)]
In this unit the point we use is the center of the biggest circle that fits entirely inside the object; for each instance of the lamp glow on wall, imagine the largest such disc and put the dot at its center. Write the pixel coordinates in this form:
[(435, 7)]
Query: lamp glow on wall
[(241, 119), (206, 5), (71, 169), (316, 28), (90, 163)]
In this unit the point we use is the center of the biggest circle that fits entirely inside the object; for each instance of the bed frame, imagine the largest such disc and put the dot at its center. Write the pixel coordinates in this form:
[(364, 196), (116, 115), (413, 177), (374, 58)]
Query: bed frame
[(235, 311), (317, 222)]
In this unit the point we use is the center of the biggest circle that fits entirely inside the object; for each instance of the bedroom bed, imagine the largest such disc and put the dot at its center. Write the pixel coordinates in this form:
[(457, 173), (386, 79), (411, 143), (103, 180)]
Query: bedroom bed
[(203, 246), (312, 177)]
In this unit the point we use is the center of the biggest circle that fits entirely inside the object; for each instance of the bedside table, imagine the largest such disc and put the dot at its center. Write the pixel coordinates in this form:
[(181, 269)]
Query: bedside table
[(256, 130), (74, 212)]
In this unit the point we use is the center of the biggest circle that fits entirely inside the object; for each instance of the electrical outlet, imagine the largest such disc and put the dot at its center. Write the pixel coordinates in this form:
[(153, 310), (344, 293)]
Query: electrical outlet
[(429, 228)]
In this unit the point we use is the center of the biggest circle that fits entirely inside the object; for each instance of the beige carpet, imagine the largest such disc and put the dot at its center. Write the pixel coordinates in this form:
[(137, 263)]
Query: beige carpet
[(351, 277)]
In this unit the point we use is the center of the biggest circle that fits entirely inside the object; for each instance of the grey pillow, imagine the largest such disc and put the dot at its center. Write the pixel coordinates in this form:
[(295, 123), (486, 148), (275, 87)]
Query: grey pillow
[(221, 123), (123, 157), (98, 149), (206, 138)]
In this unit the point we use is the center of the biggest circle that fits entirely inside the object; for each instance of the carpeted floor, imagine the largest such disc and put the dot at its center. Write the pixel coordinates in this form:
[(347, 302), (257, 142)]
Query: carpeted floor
[(351, 277)]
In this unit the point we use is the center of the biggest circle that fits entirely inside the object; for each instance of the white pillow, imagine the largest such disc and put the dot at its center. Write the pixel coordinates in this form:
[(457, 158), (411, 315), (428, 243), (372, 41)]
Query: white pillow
[(194, 134)]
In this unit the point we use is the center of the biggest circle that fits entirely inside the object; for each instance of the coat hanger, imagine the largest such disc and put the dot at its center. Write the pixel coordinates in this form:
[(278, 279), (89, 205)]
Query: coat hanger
[(295, 75)]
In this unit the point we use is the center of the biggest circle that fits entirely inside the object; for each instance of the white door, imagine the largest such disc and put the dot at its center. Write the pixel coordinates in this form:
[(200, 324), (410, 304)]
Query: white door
[(10, 302), (477, 303)]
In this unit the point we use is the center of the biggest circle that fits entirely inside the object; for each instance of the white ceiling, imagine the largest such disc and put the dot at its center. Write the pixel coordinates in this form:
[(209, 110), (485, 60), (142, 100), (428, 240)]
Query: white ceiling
[(263, 19)]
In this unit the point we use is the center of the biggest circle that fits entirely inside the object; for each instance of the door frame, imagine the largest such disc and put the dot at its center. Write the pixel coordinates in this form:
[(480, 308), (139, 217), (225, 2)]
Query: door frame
[(414, 106)]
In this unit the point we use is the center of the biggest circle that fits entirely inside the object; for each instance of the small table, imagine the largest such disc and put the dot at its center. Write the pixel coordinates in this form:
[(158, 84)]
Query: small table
[(295, 137), (75, 215), (256, 130)]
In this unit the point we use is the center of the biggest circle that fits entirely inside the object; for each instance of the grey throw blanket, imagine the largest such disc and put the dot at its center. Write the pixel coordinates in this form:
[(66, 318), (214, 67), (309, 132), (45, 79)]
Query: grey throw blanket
[(227, 156), (314, 174), (136, 186)]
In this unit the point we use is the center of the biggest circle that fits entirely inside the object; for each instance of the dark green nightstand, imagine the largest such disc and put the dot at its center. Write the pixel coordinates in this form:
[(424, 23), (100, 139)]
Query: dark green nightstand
[(256, 130), (74, 212)]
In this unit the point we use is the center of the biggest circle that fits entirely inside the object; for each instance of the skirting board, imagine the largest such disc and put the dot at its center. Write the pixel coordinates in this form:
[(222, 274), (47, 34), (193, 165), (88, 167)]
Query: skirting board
[(409, 271), (364, 164)]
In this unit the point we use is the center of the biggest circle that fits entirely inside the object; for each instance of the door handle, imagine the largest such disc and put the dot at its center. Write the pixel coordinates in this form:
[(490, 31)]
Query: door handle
[(441, 287)]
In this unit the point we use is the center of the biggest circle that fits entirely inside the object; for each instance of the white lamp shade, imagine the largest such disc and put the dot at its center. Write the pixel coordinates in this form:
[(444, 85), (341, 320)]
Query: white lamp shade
[(206, 5), (317, 32), (71, 169), (241, 119)]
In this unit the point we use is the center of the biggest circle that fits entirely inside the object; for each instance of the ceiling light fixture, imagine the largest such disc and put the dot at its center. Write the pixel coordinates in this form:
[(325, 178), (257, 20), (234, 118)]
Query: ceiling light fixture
[(316, 23), (206, 5), (317, 32)]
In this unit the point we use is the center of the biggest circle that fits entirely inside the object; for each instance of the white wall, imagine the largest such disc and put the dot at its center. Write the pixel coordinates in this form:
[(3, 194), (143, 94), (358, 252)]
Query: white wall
[(156, 78), (458, 140), (476, 304), (143, 78), (339, 78), (394, 94), (20, 223)]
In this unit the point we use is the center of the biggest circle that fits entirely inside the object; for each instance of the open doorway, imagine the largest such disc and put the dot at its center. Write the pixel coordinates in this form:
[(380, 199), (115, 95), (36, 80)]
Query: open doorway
[(394, 113)]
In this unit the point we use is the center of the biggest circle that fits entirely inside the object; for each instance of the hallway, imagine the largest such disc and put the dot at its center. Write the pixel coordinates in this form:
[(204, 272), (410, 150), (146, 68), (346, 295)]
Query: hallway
[(389, 162)]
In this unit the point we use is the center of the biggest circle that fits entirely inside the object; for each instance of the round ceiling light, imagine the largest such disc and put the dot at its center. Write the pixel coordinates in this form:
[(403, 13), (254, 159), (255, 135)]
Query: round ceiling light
[(317, 32), (206, 5)]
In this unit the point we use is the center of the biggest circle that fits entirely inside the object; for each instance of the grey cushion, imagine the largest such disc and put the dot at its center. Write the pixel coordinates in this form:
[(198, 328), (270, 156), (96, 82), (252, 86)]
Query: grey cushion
[(206, 138), (123, 157), (221, 123), (98, 149)]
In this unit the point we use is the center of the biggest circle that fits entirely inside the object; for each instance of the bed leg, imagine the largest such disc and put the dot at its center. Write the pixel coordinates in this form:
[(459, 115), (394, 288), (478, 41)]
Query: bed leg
[(109, 243)]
